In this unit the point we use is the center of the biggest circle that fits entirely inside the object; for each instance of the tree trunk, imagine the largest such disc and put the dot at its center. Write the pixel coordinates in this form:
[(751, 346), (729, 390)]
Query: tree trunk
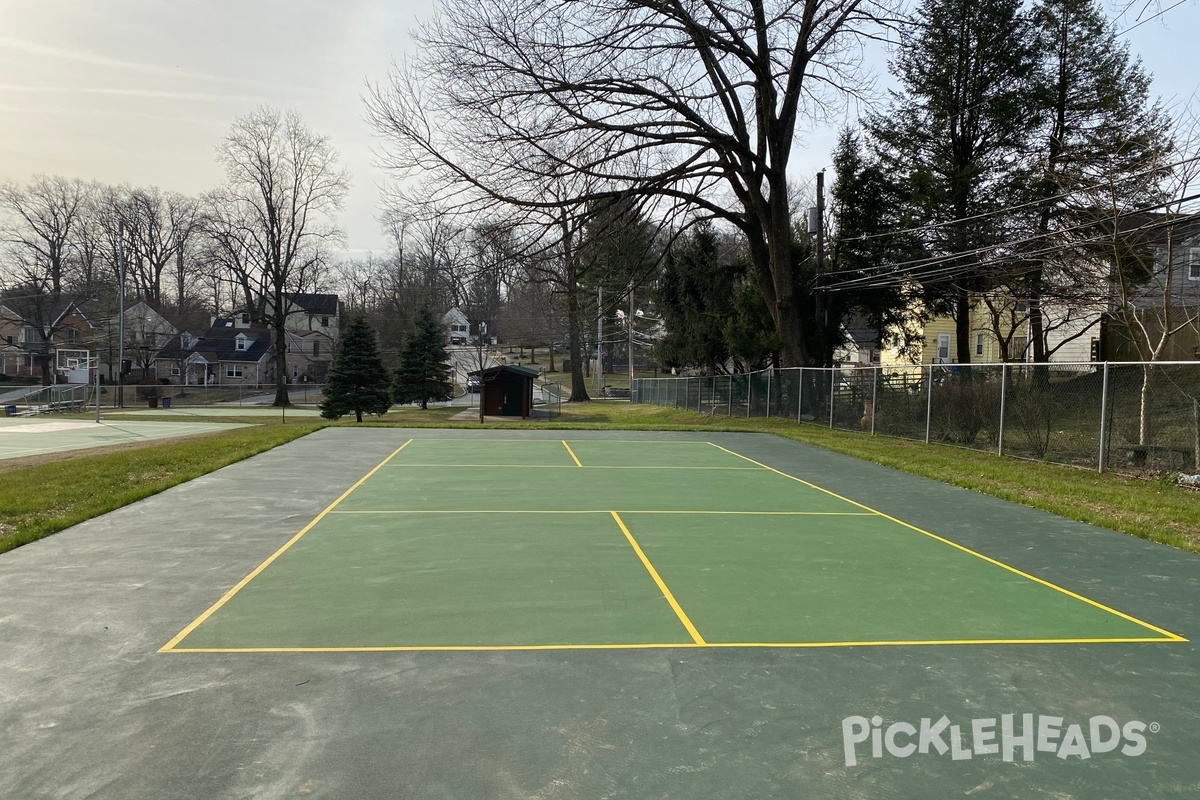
[(280, 324), (579, 392), (962, 326)]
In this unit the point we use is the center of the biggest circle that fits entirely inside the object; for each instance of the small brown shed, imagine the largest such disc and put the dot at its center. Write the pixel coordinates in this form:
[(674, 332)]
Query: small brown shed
[(506, 391)]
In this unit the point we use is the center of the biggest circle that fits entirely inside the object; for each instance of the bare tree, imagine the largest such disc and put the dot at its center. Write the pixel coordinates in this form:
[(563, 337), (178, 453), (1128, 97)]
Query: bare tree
[(39, 225), (272, 221), (695, 104), (1151, 259)]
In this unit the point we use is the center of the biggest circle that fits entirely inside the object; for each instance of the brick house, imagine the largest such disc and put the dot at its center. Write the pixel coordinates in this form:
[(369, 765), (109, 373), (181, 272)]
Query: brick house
[(34, 333)]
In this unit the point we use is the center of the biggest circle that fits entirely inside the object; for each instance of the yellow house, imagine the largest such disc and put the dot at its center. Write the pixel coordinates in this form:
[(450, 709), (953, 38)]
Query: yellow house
[(1000, 331)]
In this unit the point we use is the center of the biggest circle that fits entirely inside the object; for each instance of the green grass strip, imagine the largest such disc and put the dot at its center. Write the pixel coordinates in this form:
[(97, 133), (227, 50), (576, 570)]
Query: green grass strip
[(40, 500)]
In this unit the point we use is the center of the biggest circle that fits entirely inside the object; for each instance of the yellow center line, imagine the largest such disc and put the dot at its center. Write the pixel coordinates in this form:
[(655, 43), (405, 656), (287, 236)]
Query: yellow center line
[(687, 623), (1173, 636), (686, 512), (240, 584), (574, 457), (660, 467)]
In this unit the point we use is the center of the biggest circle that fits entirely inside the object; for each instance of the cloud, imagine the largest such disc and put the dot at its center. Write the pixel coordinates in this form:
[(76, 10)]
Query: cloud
[(158, 94), (63, 54)]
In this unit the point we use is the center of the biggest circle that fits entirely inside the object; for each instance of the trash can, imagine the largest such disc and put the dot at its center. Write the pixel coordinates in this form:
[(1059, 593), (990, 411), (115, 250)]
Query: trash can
[(10, 411), (154, 402), (166, 402)]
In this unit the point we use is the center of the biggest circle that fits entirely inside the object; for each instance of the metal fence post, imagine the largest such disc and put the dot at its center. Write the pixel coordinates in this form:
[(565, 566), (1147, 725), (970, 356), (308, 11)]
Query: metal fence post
[(832, 386), (800, 397), (929, 405), (1003, 393), (874, 395), (1103, 417), (749, 392), (769, 371), (729, 398)]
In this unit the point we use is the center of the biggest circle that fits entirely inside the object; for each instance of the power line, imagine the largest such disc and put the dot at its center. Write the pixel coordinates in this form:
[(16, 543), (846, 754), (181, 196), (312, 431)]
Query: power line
[(930, 226), (916, 269)]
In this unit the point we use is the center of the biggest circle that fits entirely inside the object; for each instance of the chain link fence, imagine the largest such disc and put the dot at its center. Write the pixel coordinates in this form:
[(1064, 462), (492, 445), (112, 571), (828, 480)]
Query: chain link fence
[(548, 397), (1124, 417)]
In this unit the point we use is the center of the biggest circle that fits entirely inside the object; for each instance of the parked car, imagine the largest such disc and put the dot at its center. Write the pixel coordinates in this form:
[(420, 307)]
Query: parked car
[(472, 384)]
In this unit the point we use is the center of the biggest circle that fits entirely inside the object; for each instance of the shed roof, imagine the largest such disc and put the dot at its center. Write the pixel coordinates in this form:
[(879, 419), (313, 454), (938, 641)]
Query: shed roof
[(524, 372)]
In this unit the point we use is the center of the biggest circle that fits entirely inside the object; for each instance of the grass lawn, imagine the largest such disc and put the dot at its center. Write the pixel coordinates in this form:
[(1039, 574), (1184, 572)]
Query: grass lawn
[(38, 500)]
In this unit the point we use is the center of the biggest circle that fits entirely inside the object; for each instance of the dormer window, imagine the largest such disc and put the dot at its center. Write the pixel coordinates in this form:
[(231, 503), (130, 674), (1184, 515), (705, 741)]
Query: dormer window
[(185, 341), (242, 342), (245, 319)]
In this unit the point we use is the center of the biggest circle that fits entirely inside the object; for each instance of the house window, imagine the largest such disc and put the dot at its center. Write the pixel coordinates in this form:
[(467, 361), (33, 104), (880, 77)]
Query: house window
[(33, 336), (72, 336), (1194, 264), (289, 348), (324, 322), (316, 349), (241, 342), (174, 370), (943, 348), (245, 319), (979, 344), (233, 370)]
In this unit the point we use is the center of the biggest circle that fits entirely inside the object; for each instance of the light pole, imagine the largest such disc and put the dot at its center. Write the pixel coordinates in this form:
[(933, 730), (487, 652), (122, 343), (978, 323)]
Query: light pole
[(121, 314), (479, 361)]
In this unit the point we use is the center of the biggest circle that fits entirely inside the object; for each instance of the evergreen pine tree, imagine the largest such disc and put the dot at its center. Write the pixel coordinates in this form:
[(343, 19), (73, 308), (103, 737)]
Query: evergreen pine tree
[(1101, 137), (424, 371), (693, 296), (358, 381), (866, 242), (958, 135)]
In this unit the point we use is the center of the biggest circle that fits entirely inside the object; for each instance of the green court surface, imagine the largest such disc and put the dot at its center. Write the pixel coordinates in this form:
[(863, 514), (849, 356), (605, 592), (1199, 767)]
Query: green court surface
[(586, 544), (21, 437)]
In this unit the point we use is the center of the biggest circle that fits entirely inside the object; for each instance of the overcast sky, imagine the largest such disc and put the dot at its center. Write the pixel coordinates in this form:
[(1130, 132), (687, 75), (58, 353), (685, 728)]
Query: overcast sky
[(141, 91)]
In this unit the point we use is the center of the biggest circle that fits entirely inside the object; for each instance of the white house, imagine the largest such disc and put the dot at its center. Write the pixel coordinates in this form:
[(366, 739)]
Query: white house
[(458, 327)]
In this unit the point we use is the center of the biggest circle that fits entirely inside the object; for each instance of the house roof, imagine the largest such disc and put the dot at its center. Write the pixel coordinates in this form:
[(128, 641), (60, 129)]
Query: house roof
[(38, 310), (220, 344), (316, 304)]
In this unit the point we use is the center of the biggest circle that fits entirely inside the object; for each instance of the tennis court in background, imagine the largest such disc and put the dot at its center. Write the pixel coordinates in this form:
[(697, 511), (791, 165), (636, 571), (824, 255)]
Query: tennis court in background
[(524, 544), (21, 437)]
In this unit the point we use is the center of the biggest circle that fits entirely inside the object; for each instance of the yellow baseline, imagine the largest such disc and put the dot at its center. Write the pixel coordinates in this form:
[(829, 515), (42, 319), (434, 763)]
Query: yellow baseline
[(656, 646)]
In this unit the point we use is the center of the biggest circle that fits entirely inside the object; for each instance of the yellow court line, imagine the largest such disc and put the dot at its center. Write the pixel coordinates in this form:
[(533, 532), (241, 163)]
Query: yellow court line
[(240, 584), (1172, 636), (687, 623), (660, 467), (660, 645), (574, 457), (687, 512), (549, 438)]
